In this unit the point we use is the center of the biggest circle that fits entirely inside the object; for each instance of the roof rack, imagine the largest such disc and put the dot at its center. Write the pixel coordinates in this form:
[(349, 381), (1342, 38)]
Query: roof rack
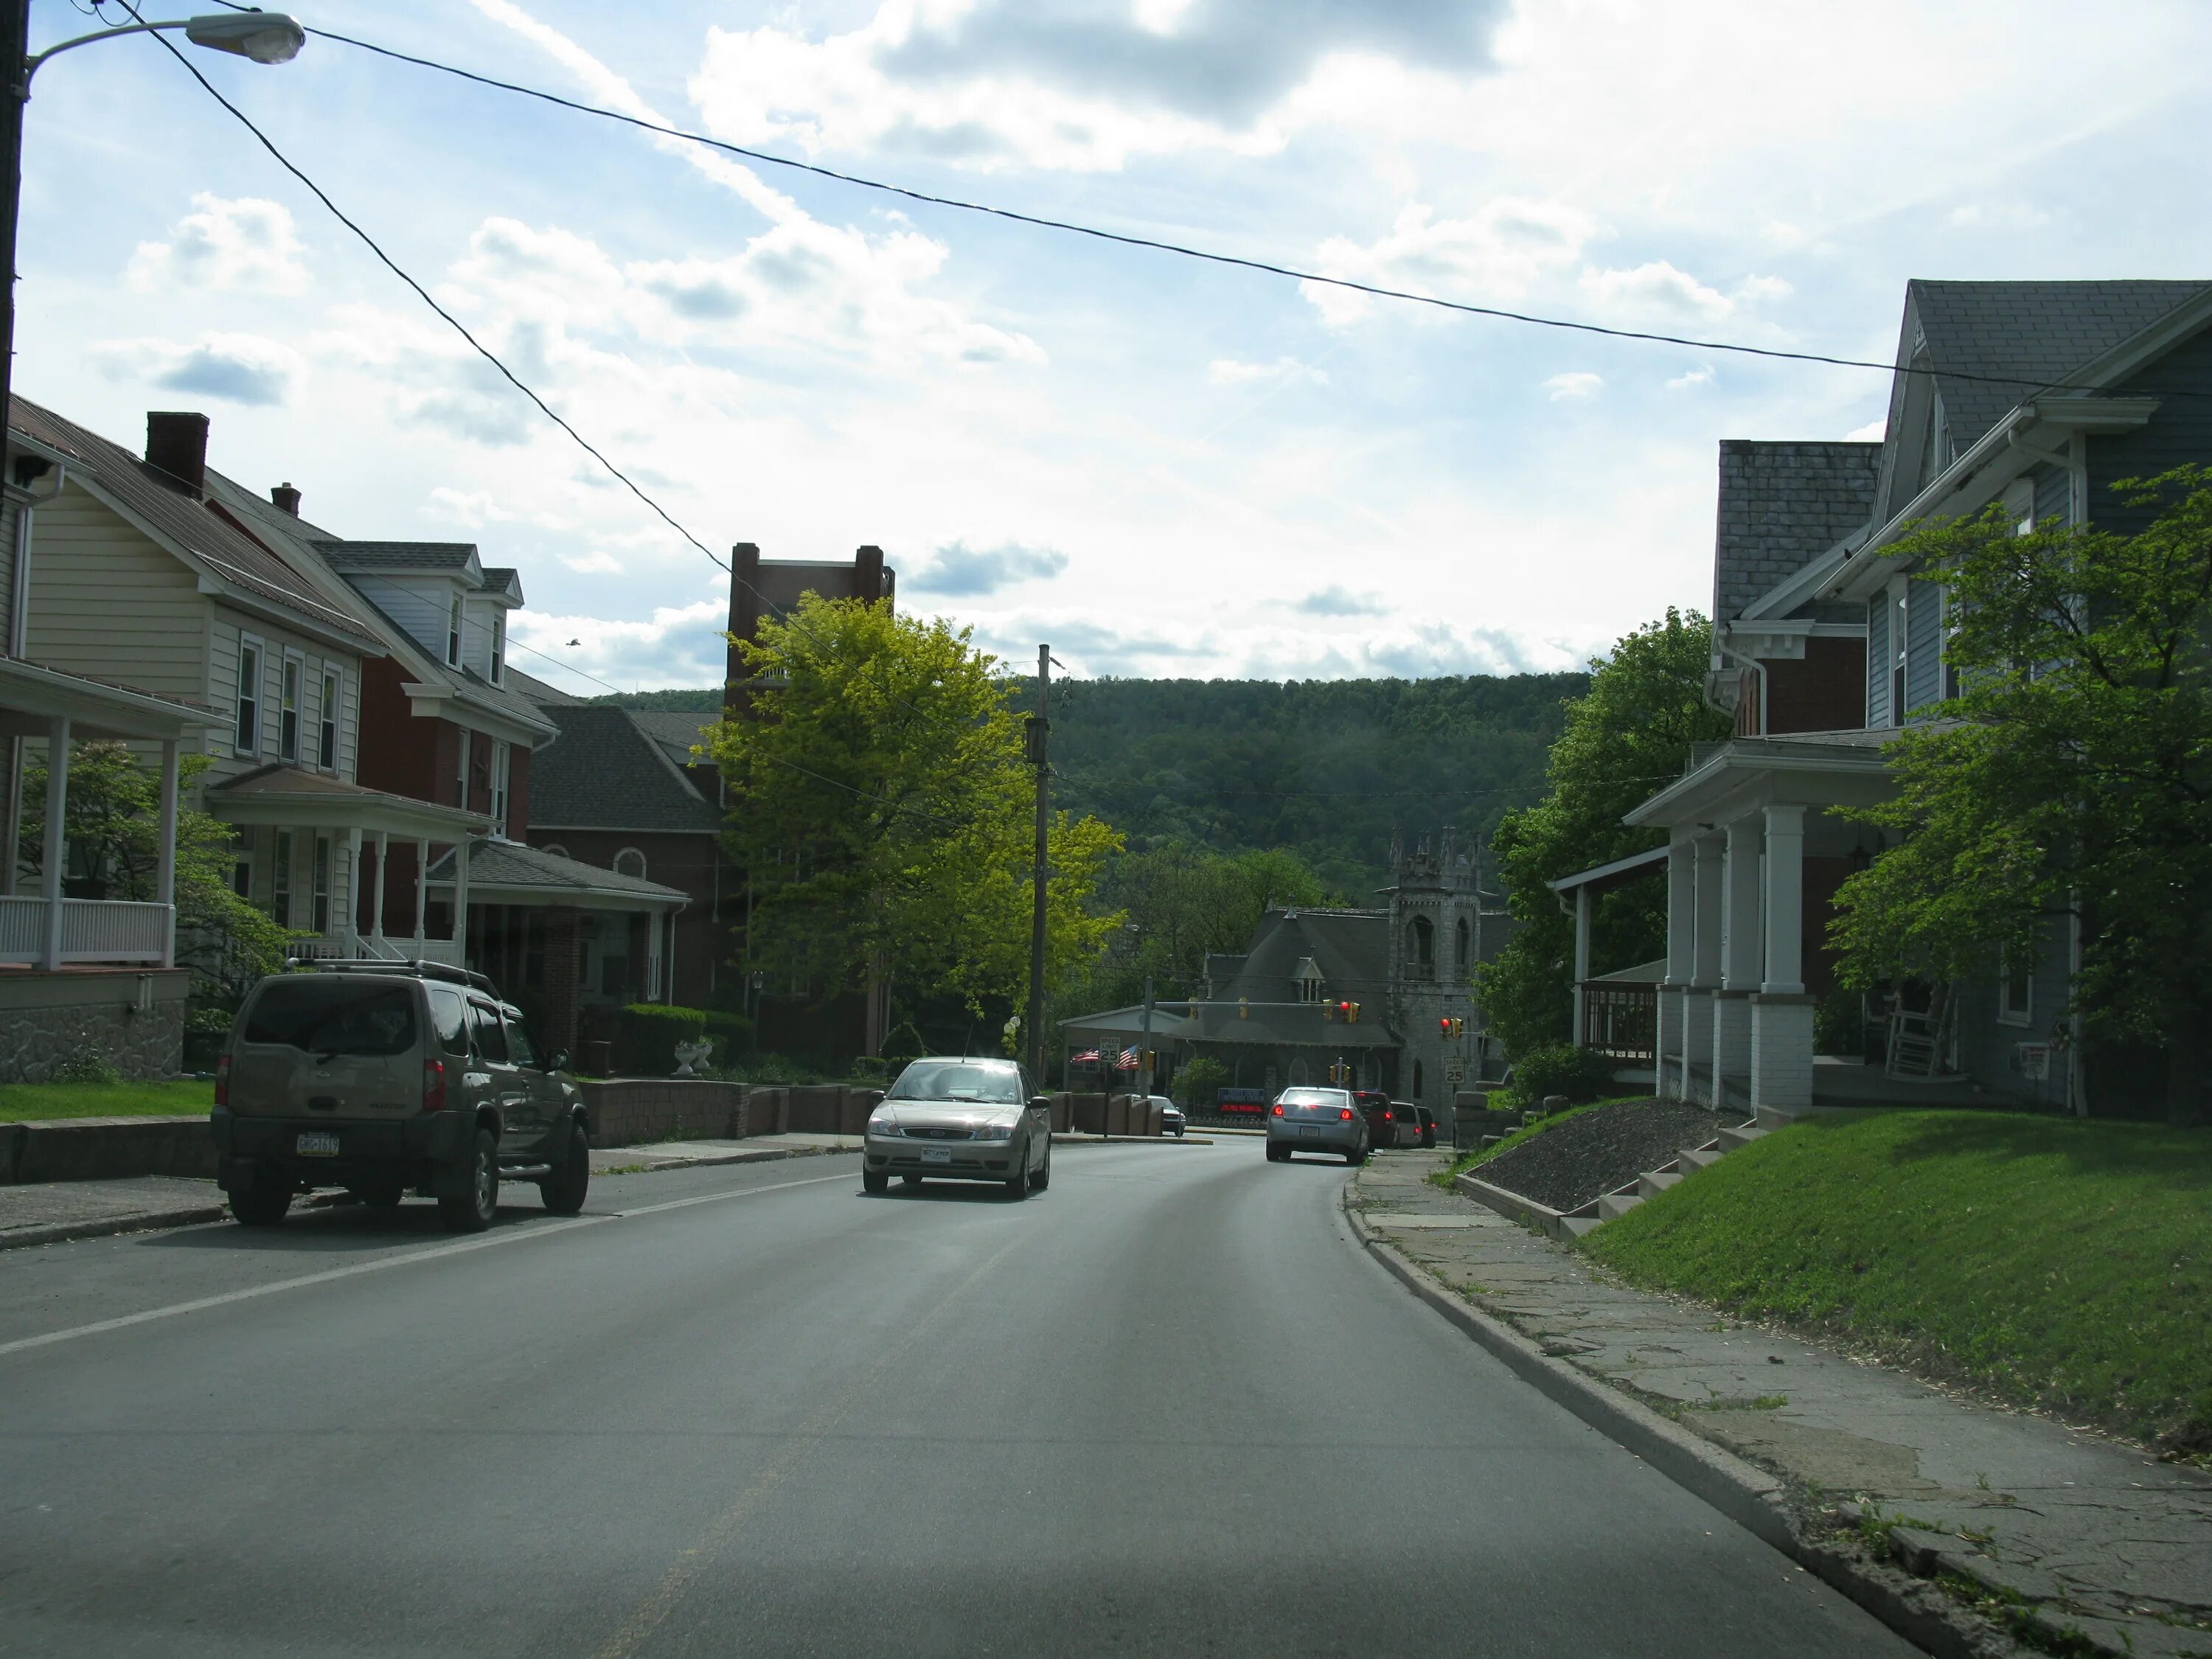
[(414, 967)]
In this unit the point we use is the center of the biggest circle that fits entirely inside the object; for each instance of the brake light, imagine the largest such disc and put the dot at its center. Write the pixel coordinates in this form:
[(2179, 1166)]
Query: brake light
[(1345, 1113), (222, 1080), (434, 1085), (1388, 1118), (1279, 1111)]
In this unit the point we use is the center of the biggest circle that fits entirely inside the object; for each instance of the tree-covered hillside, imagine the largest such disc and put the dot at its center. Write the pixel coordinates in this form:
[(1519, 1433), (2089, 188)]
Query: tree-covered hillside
[(1326, 768)]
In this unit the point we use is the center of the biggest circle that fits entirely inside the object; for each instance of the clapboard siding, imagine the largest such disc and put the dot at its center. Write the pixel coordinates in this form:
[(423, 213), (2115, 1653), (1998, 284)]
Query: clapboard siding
[(1877, 662), (2180, 431), (2054, 495), (229, 628), (1923, 645), (421, 609), (107, 602), (10, 511)]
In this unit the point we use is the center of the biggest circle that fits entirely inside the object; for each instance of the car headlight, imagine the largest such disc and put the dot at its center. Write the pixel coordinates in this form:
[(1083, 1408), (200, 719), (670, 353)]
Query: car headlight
[(995, 1131), (883, 1124)]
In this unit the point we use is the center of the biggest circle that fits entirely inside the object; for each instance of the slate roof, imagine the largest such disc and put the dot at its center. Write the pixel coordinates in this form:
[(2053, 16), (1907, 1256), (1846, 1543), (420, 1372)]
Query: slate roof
[(232, 555), (1351, 948), (1782, 505), (398, 555), (496, 863), (605, 771), (2039, 332)]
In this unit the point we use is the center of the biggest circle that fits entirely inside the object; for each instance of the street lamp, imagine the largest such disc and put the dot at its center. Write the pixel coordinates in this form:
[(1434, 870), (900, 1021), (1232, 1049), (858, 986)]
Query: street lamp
[(262, 36)]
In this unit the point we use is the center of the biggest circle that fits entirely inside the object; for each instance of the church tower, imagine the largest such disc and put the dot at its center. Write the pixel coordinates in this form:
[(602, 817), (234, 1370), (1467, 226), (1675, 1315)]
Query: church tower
[(1436, 921)]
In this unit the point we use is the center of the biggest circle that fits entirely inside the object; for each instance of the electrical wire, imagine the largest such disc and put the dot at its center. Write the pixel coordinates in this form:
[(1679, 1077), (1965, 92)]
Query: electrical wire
[(1375, 290)]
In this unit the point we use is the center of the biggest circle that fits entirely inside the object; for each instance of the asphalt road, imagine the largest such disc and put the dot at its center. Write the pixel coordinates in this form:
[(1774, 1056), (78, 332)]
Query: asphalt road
[(1166, 1407)]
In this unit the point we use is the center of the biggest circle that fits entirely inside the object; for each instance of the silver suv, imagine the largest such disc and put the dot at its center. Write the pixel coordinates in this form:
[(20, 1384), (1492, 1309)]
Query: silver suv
[(380, 1077)]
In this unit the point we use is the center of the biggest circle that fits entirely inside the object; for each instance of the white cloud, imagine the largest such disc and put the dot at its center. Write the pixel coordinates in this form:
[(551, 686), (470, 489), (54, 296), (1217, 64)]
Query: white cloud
[(1225, 371), (243, 243), (1997, 215), (1576, 383), (1872, 432), (1690, 379), (1655, 287), (958, 571), (1500, 251), (679, 644), (245, 368), (597, 562), (1338, 601), (474, 509)]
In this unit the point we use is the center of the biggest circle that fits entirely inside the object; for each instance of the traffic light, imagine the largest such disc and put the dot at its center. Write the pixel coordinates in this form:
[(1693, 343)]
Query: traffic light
[(1352, 1013), (1443, 1030), (1243, 1007), (1328, 1011)]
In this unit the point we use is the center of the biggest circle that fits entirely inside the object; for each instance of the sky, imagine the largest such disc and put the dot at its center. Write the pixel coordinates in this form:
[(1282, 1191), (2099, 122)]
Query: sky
[(1158, 466)]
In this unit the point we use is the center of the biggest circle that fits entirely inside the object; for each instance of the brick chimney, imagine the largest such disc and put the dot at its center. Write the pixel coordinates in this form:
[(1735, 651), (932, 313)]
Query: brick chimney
[(868, 574), (286, 498), (176, 447), (745, 610)]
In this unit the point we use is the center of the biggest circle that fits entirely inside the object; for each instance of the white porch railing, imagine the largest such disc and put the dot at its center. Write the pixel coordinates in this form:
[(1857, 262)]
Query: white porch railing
[(92, 930)]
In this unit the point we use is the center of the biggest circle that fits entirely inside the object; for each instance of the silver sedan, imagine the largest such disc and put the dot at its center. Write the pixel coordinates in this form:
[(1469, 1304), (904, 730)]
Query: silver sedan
[(950, 1119), (1317, 1120)]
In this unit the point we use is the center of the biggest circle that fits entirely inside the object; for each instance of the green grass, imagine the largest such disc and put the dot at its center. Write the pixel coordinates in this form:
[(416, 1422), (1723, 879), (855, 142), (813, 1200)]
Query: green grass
[(2051, 1263), (1481, 1155), (24, 1103)]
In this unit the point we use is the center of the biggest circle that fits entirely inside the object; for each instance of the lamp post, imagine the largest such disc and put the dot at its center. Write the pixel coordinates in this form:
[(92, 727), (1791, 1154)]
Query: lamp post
[(265, 37)]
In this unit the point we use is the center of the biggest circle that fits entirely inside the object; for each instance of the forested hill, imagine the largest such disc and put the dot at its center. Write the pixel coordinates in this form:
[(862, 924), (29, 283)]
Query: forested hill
[(1328, 769)]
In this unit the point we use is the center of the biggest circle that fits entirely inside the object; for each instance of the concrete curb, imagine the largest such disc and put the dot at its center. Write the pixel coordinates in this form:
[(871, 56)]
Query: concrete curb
[(61, 1232), (1071, 1138), (1745, 1494), (1550, 1222)]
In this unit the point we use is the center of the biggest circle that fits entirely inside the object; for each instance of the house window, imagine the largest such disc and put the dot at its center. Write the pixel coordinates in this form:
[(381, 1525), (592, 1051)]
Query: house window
[(241, 865), (327, 742), (2016, 992), (322, 916), (280, 893), (1310, 980), (288, 710), (500, 753), (248, 736), (461, 772), (499, 647), (630, 862), (453, 634)]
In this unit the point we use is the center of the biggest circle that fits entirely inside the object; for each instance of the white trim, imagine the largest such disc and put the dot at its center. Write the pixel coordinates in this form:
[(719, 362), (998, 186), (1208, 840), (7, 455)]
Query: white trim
[(641, 873)]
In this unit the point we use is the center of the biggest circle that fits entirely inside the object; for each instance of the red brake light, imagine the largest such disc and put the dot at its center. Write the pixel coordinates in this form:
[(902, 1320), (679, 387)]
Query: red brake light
[(1345, 1113), (222, 1080), (1389, 1116), (1279, 1111), (434, 1085)]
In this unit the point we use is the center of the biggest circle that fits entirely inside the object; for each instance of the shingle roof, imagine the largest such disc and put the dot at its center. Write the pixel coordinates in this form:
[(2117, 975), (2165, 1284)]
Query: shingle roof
[(1351, 948), (496, 863), (234, 557), (537, 691), (501, 579), (605, 771), (2040, 332), (1783, 505), (675, 732), (397, 555)]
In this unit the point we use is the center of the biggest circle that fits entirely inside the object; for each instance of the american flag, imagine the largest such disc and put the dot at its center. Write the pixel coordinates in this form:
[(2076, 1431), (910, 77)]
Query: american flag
[(1088, 1057), (1128, 1062)]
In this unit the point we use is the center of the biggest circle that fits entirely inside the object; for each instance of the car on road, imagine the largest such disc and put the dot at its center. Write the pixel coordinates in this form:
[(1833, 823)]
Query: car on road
[(1305, 1120), (951, 1118), (1417, 1125), (1172, 1121), (385, 1077), (1381, 1115)]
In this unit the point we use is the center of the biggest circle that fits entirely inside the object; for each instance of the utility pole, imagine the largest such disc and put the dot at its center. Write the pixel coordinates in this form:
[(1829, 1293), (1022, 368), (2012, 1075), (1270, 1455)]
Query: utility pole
[(1034, 728), (15, 67), (1145, 1053)]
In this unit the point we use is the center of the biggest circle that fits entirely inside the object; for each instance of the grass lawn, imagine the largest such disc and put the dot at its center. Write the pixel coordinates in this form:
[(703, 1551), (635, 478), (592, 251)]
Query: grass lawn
[(1481, 1155), (21, 1102), (2051, 1262)]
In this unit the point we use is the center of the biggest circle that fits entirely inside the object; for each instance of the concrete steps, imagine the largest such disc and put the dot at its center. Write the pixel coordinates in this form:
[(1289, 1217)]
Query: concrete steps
[(1730, 1139), (1613, 1205), (1652, 1182)]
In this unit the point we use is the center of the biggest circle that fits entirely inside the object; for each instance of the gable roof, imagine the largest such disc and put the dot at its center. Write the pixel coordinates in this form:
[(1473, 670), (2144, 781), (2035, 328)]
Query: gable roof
[(538, 691), (189, 528), (605, 771), (1782, 507), (398, 555), (674, 731), (1351, 948), (510, 865)]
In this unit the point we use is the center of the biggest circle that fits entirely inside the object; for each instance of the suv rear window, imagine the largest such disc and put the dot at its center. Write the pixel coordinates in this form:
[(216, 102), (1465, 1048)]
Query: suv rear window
[(326, 1014)]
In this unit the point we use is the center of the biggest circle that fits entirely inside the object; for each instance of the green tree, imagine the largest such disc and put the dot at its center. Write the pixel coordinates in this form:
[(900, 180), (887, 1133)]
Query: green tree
[(112, 820), (1630, 732), (880, 807), (2071, 777)]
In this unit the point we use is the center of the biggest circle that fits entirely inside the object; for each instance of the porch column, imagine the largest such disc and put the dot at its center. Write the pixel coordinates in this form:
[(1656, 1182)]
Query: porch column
[(1739, 957), (421, 886), (1674, 994), (383, 855), (57, 842), (1782, 1014), (353, 891), (1582, 959), (165, 868), (655, 991), (1704, 970), (10, 831), (461, 902)]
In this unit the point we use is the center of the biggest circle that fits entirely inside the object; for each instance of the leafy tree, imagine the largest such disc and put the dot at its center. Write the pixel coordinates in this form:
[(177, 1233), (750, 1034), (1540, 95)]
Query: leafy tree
[(112, 820), (2071, 777), (882, 811), (1630, 732)]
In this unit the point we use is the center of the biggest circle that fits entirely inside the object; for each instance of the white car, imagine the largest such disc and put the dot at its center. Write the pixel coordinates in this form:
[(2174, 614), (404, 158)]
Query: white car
[(1172, 1121), (949, 1119)]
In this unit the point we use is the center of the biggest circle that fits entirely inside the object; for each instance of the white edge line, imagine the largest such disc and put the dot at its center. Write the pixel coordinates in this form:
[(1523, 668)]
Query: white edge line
[(547, 1230)]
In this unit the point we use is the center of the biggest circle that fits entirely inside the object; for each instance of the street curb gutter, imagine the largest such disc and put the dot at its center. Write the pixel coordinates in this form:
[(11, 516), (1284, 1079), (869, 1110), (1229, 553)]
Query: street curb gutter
[(1745, 1494)]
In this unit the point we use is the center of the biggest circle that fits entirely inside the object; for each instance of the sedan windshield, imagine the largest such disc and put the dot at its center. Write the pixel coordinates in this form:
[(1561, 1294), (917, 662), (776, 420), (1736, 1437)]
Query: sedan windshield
[(981, 1081)]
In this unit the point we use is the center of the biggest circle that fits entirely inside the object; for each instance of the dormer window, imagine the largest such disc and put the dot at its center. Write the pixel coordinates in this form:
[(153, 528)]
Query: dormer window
[(1310, 980), (453, 634)]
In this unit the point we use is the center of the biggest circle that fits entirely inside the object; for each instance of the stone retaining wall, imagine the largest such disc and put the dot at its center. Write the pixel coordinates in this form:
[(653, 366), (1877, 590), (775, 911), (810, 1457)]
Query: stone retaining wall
[(633, 1111), (134, 1021), (106, 1149)]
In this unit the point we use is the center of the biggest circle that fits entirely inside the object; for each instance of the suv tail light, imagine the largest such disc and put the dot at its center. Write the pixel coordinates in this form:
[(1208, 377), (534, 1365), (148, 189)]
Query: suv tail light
[(1279, 1111), (222, 1080), (434, 1085), (1388, 1118)]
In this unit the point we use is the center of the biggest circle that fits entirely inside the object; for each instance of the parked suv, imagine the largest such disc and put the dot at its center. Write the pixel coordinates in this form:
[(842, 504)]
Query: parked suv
[(1381, 1115), (1418, 1124), (381, 1077)]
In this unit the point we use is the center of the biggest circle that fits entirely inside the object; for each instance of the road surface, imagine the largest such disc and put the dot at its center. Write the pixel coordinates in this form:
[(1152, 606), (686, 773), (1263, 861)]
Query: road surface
[(1167, 1408)]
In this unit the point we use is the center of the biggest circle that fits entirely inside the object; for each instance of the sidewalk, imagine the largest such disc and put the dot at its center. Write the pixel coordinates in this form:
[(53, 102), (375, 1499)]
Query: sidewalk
[(684, 1154), (2060, 1535)]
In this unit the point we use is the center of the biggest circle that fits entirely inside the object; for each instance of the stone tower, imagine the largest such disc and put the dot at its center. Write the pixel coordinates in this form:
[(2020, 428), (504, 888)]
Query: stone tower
[(1436, 921)]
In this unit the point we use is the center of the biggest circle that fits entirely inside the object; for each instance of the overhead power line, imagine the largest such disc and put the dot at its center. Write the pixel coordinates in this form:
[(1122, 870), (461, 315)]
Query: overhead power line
[(1375, 290)]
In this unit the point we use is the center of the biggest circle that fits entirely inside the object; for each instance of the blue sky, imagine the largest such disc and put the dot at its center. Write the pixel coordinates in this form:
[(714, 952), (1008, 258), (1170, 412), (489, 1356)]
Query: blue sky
[(1160, 466)]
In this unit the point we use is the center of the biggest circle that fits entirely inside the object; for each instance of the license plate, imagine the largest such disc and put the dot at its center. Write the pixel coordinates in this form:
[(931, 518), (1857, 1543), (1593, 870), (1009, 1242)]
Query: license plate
[(318, 1146), (936, 1155), (1308, 1133)]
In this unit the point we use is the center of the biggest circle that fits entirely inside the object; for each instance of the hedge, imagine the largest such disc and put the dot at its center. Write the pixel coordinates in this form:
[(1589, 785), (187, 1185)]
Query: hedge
[(647, 1033)]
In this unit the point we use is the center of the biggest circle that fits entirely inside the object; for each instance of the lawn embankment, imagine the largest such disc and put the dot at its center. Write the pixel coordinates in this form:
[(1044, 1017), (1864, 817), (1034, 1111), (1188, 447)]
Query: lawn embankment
[(1465, 1160), (2051, 1263), (27, 1103)]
